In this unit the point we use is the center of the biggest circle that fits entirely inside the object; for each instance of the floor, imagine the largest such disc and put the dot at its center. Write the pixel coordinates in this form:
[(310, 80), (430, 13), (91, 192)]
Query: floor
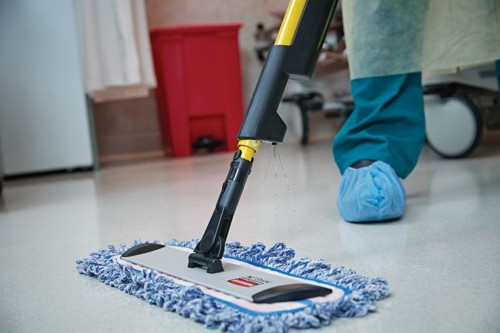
[(441, 260)]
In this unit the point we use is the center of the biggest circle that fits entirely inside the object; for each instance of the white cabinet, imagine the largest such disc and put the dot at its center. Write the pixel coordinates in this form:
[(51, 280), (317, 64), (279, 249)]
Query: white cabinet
[(44, 124)]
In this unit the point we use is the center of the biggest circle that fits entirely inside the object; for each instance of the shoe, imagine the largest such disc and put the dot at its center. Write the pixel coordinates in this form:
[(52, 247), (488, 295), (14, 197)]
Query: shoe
[(371, 191)]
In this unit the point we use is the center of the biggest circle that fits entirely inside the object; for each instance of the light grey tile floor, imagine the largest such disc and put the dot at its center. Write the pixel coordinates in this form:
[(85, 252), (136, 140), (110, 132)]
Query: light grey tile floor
[(442, 260)]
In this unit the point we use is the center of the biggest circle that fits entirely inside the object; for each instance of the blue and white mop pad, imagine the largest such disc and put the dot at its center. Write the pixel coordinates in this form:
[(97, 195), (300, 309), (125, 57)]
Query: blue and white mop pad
[(352, 295)]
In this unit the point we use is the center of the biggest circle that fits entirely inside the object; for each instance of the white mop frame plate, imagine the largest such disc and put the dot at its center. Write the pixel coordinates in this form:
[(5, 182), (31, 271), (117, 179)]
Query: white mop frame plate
[(352, 295), (239, 279)]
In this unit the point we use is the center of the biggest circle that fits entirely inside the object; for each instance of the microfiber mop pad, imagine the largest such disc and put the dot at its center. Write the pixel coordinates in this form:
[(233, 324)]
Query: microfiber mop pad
[(353, 295)]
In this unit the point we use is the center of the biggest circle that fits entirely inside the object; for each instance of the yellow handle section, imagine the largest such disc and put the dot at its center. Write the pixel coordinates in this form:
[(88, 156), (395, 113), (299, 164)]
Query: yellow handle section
[(290, 22), (248, 148)]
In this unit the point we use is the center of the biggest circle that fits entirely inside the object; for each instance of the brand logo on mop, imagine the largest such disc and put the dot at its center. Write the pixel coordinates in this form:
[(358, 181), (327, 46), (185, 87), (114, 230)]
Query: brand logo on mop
[(248, 281)]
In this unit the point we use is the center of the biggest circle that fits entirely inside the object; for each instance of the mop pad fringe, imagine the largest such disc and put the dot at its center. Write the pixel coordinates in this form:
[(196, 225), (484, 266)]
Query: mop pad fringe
[(361, 292)]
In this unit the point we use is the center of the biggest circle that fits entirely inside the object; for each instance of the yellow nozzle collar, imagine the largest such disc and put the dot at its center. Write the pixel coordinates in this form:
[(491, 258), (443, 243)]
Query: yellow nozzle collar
[(248, 148)]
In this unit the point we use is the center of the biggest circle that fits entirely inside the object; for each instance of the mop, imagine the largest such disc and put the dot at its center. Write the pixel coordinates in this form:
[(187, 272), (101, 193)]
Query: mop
[(229, 286), (352, 295)]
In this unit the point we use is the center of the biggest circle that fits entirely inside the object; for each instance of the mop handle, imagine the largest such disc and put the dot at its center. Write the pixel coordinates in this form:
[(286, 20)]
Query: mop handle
[(294, 55)]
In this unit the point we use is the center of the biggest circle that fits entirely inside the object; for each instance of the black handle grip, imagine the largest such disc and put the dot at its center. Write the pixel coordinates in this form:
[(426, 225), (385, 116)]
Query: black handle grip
[(211, 246), (290, 292)]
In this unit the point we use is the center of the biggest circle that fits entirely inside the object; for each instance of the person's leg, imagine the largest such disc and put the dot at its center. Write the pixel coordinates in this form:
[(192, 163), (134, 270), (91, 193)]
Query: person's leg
[(387, 126), (497, 63)]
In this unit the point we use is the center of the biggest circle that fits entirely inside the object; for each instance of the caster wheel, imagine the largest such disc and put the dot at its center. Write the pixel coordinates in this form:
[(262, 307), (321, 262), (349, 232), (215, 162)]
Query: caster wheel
[(454, 125)]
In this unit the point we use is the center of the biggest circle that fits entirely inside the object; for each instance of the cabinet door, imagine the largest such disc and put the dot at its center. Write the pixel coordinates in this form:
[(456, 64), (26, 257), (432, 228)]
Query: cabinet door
[(43, 116)]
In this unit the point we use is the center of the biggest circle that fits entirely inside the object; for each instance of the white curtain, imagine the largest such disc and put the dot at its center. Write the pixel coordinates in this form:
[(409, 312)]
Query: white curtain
[(115, 48)]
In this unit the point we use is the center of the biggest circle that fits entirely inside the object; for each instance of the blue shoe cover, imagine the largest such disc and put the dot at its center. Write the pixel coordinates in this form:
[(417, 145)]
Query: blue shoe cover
[(370, 194)]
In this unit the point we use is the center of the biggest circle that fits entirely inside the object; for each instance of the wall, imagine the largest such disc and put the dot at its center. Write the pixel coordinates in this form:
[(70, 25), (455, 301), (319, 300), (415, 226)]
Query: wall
[(128, 130)]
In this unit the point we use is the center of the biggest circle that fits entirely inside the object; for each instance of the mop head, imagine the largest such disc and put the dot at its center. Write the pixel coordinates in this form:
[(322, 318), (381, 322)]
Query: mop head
[(353, 295)]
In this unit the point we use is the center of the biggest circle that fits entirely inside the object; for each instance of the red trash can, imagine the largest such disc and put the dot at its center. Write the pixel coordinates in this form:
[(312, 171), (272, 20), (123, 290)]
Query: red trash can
[(199, 87)]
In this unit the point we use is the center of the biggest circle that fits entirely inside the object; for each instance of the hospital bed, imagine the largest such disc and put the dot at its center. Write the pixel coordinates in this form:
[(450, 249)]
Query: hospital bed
[(460, 105)]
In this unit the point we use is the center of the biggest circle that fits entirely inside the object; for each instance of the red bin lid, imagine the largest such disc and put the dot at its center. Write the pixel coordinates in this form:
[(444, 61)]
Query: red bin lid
[(210, 27)]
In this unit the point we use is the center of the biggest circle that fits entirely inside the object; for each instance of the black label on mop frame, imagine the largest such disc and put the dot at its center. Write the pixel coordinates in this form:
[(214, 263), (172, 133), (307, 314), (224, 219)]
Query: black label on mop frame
[(248, 281)]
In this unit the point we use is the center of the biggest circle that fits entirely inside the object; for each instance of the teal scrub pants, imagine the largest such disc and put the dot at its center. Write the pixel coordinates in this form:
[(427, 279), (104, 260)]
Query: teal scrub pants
[(387, 123), (497, 63)]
